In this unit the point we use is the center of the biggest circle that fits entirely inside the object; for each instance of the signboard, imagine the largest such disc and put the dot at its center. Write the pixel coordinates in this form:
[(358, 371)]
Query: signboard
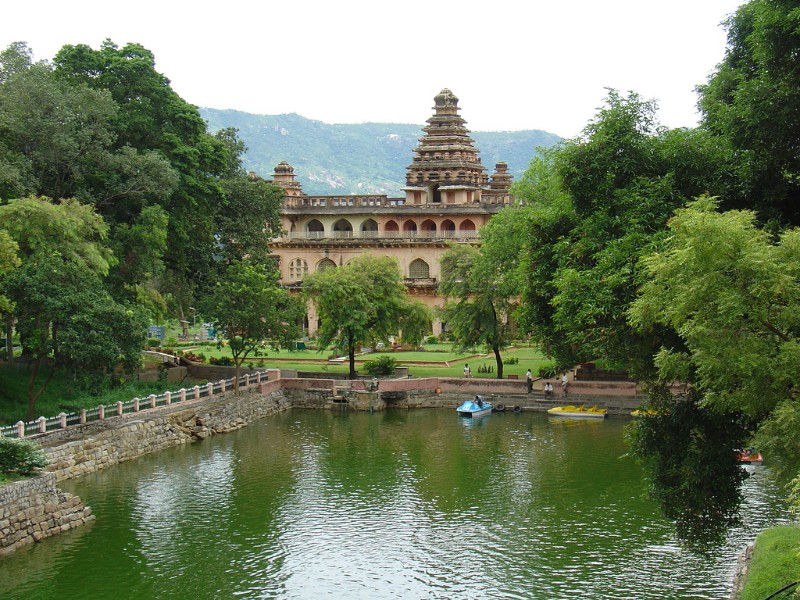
[(156, 331)]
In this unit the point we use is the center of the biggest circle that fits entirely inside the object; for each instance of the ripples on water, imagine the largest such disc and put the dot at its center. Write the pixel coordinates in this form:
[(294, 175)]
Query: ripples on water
[(417, 504)]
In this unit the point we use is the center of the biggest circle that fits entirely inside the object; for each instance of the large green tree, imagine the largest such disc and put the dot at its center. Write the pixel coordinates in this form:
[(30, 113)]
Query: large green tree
[(59, 138), (361, 302), (60, 305), (480, 287), (152, 117), (53, 135), (732, 294), (253, 311), (595, 205), (66, 319), (216, 213), (751, 103), (104, 126)]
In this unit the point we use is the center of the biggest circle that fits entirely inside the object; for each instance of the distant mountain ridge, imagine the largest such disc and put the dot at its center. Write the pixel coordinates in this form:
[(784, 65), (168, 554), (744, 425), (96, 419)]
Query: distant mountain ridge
[(365, 158)]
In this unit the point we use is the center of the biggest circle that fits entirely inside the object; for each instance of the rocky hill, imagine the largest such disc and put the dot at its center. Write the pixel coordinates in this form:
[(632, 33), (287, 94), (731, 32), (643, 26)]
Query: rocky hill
[(362, 158)]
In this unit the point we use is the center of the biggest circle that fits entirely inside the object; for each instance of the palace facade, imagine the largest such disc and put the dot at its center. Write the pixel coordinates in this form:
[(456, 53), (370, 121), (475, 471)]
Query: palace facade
[(448, 198)]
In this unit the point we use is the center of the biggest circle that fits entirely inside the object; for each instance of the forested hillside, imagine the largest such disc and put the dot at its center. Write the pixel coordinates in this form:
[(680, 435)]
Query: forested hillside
[(360, 158)]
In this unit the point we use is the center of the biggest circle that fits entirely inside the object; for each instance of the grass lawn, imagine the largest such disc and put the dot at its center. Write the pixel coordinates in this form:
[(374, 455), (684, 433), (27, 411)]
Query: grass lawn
[(776, 562), (443, 362)]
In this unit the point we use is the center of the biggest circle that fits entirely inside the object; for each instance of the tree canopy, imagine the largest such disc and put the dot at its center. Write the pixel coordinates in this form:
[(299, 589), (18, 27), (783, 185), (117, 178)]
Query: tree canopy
[(480, 288), (733, 296), (751, 103), (624, 265), (57, 294), (363, 302), (101, 133), (110, 176), (595, 205), (253, 311)]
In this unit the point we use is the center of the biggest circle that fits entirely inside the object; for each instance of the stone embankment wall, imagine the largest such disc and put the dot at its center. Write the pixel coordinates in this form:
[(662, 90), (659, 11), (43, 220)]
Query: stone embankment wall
[(34, 509), (742, 569), (619, 399), (80, 450)]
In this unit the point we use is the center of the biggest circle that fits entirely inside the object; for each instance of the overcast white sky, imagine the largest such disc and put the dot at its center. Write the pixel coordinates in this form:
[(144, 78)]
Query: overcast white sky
[(521, 64)]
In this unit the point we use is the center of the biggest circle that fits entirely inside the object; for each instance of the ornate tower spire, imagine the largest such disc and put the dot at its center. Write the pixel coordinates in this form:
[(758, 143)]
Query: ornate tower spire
[(446, 167), (284, 177), (501, 178)]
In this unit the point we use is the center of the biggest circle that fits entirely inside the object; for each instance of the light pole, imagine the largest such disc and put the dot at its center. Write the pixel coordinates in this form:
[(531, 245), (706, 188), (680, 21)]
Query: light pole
[(194, 317)]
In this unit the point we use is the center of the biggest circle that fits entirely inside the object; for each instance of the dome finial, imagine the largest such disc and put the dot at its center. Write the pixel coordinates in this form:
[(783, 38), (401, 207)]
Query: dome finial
[(445, 98)]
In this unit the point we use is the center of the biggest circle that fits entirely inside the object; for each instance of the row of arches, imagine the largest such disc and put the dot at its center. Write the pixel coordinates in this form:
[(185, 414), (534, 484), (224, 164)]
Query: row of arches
[(343, 226), (298, 267)]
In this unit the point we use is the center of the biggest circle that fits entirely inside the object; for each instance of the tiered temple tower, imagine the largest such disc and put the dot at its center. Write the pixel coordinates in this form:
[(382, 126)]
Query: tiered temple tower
[(446, 168)]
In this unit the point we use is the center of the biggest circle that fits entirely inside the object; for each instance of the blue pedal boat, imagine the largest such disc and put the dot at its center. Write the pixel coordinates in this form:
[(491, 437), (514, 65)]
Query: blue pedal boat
[(475, 408)]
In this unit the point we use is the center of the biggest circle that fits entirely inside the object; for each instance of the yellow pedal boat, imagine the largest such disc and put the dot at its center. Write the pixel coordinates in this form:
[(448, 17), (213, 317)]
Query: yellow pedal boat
[(579, 412), (644, 412)]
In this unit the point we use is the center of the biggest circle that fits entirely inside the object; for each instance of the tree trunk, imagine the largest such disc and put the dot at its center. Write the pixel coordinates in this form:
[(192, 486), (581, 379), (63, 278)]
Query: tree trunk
[(499, 361), (184, 322), (33, 394), (9, 344), (351, 354), (237, 364)]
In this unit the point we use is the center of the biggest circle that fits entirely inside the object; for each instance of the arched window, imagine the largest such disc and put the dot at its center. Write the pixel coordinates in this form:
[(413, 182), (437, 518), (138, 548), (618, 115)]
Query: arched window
[(342, 228), (466, 225), (391, 226), (325, 263), (410, 226), (315, 229), (369, 225), (448, 228), (419, 269), (297, 268)]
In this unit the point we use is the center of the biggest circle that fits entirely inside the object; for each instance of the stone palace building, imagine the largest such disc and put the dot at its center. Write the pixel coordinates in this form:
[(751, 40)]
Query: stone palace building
[(448, 198)]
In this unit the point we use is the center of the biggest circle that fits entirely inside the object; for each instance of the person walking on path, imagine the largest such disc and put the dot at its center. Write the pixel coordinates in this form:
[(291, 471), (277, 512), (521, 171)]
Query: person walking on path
[(466, 370), (529, 380), (564, 384)]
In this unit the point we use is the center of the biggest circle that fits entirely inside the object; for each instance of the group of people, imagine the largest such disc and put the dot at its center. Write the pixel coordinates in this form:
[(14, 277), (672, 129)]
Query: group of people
[(548, 387)]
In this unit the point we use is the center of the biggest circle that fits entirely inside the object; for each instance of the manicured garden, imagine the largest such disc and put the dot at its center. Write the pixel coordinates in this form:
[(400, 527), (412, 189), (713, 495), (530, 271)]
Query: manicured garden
[(436, 360)]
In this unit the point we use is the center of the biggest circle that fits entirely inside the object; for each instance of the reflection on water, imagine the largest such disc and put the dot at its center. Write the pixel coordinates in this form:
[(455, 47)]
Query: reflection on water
[(405, 504)]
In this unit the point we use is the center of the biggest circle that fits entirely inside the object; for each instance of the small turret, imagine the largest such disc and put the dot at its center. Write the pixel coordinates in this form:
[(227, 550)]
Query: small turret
[(284, 177), (501, 178)]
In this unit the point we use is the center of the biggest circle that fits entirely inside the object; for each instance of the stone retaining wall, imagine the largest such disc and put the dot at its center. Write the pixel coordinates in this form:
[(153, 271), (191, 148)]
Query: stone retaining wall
[(742, 569), (80, 450), (534, 402), (310, 397), (34, 509)]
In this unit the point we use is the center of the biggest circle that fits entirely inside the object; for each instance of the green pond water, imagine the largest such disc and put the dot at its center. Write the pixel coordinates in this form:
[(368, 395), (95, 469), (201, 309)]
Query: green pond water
[(407, 504)]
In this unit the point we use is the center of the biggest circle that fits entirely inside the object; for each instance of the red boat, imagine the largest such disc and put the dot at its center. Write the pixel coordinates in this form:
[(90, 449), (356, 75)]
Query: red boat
[(749, 457)]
